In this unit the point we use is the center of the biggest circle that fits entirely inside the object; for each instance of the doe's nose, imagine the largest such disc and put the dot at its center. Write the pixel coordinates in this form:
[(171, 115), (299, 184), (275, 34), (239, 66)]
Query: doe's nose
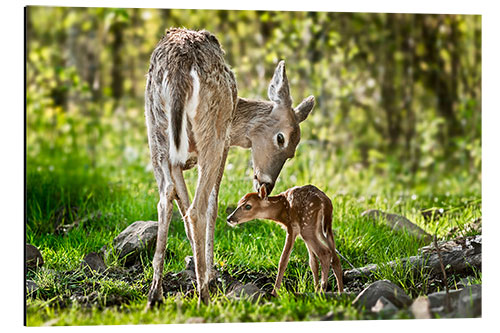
[(269, 187)]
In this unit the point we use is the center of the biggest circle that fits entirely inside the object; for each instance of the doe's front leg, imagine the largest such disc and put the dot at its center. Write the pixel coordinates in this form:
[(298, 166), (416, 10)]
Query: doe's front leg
[(199, 217)]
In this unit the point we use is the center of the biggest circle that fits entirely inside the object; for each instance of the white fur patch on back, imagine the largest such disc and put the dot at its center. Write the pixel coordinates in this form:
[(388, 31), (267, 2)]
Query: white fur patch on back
[(192, 104), (181, 155)]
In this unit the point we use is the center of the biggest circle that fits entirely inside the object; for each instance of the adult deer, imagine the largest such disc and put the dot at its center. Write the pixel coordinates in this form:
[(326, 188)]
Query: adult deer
[(193, 115), (303, 211)]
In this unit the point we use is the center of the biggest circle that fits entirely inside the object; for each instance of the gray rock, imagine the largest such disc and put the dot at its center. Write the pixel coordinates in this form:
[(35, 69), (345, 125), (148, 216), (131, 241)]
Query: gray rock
[(136, 238), (420, 308), (34, 258), (469, 302), (463, 303), (370, 295), (189, 260), (246, 291), (398, 223), (437, 302), (384, 306), (94, 262), (458, 256), (31, 286), (187, 274)]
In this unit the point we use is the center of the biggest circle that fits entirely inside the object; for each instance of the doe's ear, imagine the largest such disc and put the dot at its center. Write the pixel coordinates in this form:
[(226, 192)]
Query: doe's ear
[(262, 192), (278, 90), (304, 108)]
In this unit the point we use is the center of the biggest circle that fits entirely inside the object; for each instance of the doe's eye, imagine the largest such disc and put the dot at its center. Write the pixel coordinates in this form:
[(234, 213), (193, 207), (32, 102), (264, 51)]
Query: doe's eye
[(281, 139), (248, 207)]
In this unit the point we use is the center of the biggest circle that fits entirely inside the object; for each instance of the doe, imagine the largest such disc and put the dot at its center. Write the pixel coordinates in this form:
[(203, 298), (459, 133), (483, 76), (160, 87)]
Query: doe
[(303, 211), (193, 115)]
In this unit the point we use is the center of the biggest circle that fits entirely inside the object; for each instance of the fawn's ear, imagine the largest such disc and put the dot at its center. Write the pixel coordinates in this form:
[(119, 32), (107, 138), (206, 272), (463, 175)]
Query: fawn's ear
[(278, 90), (304, 108), (262, 192)]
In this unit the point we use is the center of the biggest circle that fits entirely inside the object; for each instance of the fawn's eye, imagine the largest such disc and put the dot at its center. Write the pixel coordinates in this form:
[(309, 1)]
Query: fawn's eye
[(248, 207), (281, 139)]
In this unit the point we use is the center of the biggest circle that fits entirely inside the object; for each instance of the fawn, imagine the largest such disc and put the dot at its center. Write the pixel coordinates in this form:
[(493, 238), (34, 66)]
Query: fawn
[(301, 210), (193, 115)]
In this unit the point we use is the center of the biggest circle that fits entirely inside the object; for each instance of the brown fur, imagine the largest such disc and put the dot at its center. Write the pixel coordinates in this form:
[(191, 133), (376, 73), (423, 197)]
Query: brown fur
[(302, 211), (212, 119)]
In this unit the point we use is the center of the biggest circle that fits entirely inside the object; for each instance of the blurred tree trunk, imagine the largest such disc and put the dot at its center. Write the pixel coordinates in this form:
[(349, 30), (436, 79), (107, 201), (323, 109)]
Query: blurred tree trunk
[(436, 78), (408, 50), (59, 93), (117, 60), (388, 91), (136, 42)]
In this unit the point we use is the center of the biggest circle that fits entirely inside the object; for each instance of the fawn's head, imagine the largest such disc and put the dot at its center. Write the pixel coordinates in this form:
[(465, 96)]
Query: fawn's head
[(251, 206), (275, 138)]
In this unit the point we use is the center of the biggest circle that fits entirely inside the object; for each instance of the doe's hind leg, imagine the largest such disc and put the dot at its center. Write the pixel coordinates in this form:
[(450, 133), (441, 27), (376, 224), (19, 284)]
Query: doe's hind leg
[(167, 193)]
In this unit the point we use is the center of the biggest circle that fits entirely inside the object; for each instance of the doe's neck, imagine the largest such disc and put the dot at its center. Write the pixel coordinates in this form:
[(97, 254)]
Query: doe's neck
[(249, 115)]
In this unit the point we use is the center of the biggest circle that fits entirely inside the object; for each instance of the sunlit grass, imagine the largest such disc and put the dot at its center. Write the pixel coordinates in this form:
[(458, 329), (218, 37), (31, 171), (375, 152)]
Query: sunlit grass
[(114, 197)]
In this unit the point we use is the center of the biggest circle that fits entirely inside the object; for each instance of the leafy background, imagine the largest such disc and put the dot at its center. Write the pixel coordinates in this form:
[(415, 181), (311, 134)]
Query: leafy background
[(396, 126), (398, 95)]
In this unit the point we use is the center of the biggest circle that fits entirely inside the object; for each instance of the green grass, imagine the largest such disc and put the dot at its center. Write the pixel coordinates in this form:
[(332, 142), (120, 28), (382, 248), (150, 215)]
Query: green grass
[(65, 190)]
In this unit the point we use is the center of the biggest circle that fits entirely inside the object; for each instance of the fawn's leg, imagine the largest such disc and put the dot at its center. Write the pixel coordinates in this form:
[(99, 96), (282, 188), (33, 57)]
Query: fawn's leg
[(313, 263), (208, 168), (167, 192), (285, 256), (335, 261), (212, 216), (337, 269), (323, 253)]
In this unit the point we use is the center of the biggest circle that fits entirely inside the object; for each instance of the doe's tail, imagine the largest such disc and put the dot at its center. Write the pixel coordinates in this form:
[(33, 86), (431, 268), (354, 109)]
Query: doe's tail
[(181, 90)]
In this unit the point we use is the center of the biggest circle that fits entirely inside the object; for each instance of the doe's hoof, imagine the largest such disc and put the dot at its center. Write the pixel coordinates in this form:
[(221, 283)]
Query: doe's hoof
[(204, 297), (155, 298)]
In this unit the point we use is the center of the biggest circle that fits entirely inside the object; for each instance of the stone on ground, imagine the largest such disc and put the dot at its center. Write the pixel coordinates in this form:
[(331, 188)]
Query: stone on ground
[(469, 302), (384, 306), (31, 286), (94, 262), (249, 291), (398, 223), (138, 237), (34, 258), (421, 308), (370, 295), (463, 303)]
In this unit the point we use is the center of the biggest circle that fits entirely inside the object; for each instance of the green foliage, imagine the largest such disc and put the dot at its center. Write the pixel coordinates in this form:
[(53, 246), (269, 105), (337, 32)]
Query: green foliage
[(397, 126), (398, 95)]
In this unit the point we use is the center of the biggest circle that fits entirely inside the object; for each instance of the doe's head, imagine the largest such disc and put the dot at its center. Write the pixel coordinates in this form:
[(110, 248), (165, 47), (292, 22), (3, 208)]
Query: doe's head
[(251, 206), (276, 137)]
